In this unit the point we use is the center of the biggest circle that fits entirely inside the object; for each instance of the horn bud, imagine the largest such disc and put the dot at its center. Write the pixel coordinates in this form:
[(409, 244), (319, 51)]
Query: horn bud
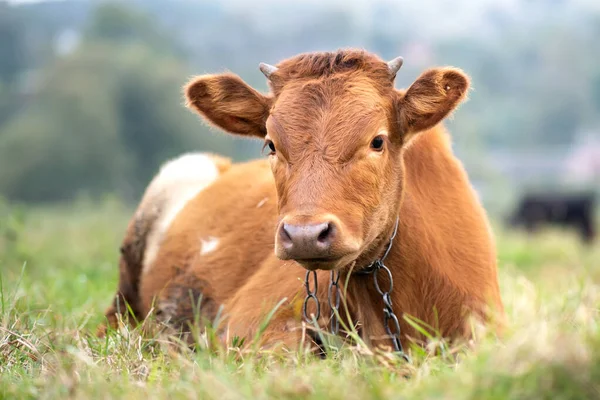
[(394, 65), (267, 69)]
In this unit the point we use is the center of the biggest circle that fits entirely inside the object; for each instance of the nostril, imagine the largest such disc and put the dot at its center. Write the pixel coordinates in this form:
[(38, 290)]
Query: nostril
[(326, 233), (284, 234)]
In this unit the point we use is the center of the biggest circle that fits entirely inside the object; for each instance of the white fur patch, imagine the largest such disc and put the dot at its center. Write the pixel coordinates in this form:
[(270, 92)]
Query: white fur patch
[(262, 202), (178, 182), (208, 245)]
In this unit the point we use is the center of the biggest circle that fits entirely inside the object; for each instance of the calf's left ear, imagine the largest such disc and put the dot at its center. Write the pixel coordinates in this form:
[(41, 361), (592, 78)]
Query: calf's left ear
[(431, 98)]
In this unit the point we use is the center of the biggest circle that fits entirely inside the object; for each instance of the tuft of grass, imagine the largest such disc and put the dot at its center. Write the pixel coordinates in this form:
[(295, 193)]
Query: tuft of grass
[(58, 271)]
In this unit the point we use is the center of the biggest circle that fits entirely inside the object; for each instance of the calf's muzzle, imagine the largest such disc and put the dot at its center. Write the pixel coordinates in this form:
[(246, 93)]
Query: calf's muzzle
[(308, 241)]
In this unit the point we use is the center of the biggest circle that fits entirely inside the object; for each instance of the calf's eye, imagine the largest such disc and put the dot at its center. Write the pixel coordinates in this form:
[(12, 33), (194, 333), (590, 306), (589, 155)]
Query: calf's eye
[(270, 145), (377, 143)]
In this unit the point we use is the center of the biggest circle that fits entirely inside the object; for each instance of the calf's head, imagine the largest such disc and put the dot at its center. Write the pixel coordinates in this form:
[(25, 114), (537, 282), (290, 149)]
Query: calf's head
[(335, 129)]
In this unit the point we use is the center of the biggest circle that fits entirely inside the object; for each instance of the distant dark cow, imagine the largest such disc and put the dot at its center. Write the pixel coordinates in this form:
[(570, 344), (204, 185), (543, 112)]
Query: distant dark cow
[(567, 210)]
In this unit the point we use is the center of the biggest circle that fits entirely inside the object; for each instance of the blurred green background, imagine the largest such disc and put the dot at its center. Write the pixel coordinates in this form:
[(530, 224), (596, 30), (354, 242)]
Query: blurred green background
[(91, 101)]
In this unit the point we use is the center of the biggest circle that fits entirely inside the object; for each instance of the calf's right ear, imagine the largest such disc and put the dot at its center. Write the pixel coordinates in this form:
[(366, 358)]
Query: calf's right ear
[(229, 103)]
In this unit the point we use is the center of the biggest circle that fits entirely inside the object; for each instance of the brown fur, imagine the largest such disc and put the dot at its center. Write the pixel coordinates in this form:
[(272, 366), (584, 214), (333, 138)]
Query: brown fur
[(323, 112)]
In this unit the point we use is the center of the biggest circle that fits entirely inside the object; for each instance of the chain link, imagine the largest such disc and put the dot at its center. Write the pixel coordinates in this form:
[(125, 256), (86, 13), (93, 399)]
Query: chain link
[(334, 324), (388, 312), (311, 294)]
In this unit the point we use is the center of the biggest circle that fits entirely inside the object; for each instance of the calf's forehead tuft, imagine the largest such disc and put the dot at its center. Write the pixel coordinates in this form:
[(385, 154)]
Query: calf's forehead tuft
[(321, 65)]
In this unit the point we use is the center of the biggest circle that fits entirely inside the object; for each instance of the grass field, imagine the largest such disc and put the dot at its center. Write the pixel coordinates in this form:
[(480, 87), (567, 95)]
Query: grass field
[(58, 273)]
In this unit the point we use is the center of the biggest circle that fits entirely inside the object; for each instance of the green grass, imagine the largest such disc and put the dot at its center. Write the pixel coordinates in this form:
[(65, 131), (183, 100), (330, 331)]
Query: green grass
[(58, 273)]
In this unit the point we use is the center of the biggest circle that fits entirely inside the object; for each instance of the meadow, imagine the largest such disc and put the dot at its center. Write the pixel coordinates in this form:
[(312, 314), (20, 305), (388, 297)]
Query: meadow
[(58, 271)]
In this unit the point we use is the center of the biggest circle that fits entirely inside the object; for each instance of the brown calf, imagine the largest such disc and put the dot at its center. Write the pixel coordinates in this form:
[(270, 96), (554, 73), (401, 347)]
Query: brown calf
[(349, 155)]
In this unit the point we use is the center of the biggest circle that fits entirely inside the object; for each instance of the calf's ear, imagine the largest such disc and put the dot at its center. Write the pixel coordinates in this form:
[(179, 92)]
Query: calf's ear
[(228, 102), (430, 99)]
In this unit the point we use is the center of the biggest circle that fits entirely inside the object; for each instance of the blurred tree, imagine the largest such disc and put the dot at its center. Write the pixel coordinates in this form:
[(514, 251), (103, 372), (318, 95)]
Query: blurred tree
[(66, 140), (4, 104), (104, 119), (12, 49), (13, 59), (119, 24)]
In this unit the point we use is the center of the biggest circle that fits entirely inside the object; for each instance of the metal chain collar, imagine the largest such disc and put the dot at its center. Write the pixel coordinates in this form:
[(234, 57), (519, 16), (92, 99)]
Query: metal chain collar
[(333, 296)]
